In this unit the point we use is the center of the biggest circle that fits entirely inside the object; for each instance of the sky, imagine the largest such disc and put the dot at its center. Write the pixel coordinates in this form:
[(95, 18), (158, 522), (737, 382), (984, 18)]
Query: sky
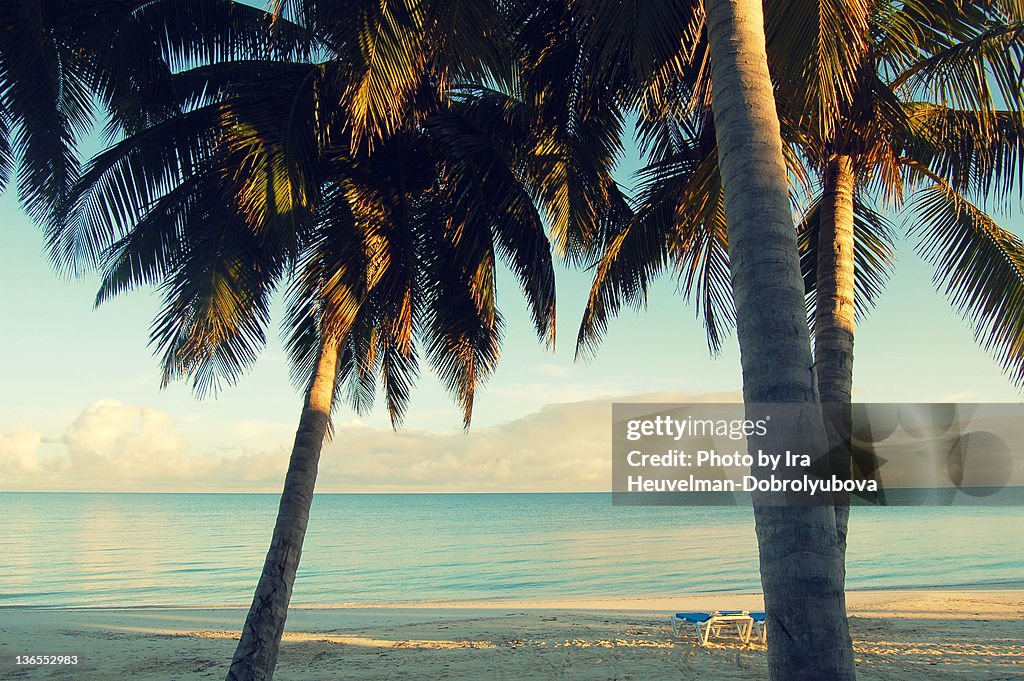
[(81, 408)]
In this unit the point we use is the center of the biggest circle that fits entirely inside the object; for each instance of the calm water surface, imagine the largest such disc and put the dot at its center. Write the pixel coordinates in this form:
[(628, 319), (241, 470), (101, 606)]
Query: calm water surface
[(207, 549)]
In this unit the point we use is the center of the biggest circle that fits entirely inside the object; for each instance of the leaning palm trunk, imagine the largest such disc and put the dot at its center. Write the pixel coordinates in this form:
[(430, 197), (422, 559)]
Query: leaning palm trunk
[(834, 323), (256, 655), (801, 567)]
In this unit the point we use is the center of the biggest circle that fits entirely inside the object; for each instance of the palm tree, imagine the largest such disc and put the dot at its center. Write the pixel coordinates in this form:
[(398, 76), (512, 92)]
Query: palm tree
[(923, 123), (388, 227), (653, 58), (597, 61), (917, 122), (915, 116), (801, 565), (650, 56), (416, 267)]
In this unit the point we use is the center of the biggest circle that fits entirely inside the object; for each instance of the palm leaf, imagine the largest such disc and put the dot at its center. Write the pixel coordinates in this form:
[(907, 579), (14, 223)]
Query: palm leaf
[(475, 163), (635, 40), (462, 328), (7, 161), (577, 125), (216, 304), (147, 46), (815, 51), (45, 86), (962, 75), (679, 222), (979, 266), (156, 243), (120, 185), (977, 153)]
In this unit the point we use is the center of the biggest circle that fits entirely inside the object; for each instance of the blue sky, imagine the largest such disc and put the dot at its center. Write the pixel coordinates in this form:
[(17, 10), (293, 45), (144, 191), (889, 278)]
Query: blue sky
[(81, 388)]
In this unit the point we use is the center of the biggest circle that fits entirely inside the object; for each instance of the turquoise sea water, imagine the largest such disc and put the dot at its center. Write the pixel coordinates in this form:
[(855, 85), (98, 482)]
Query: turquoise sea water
[(59, 550)]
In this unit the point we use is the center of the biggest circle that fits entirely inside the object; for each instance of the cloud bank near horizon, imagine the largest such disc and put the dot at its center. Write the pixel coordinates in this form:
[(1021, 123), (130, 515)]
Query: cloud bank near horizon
[(116, 447)]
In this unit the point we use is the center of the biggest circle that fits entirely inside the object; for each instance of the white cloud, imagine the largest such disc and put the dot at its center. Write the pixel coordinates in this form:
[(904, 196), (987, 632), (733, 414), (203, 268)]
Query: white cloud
[(122, 442), (111, 446), (19, 452)]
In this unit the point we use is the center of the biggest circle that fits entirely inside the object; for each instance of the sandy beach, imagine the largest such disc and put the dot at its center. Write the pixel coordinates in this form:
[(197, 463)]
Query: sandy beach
[(897, 635)]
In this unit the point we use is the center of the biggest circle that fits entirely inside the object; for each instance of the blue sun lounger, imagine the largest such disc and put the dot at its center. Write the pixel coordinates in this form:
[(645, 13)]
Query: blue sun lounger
[(760, 626), (707, 624)]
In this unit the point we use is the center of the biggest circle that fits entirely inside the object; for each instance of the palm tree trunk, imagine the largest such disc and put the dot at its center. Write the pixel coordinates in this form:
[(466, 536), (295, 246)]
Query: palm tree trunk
[(834, 322), (799, 558), (834, 312), (256, 655)]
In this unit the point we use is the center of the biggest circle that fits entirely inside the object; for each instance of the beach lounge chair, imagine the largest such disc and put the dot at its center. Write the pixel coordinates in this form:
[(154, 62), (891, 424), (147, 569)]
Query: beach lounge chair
[(760, 626), (708, 624)]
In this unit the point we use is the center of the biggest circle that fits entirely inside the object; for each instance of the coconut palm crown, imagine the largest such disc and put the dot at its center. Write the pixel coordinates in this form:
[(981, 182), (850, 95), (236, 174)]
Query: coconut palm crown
[(927, 121), (378, 192)]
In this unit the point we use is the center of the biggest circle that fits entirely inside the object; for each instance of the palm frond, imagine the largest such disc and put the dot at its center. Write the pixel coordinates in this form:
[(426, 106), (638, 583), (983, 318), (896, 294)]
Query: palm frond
[(157, 242), (815, 51), (45, 85), (399, 367), (272, 145), (120, 184), (577, 126), (635, 40), (476, 163), (7, 160), (462, 327), (979, 266), (148, 45), (976, 153), (216, 305), (679, 223), (962, 75), (469, 42)]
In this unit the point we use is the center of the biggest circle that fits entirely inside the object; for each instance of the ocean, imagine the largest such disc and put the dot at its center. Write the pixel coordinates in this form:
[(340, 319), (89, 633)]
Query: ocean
[(117, 550)]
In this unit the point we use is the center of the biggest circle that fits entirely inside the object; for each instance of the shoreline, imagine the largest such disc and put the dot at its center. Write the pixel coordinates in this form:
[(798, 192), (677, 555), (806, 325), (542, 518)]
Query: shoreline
[(912, 635), (647, 602)]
